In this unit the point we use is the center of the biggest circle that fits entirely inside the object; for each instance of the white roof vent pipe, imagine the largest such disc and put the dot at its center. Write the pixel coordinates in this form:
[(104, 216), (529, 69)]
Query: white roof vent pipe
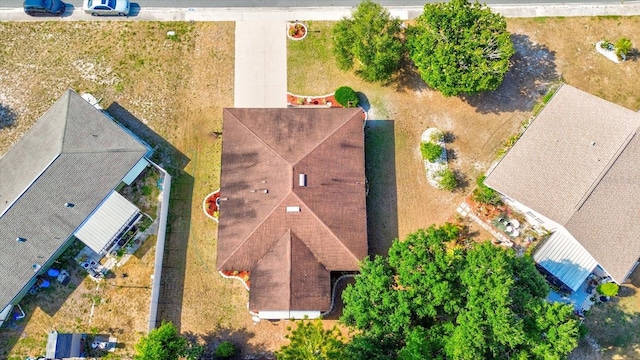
[(302, 180)]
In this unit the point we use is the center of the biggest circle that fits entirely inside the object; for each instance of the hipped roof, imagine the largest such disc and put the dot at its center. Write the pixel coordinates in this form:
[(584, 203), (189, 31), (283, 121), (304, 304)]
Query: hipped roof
[(290, 254)]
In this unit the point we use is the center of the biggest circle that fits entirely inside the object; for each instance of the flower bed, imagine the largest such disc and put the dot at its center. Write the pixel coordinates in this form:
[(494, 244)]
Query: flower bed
[(210, 205), (242, 276), (323, 100), (609, 51), (296, 31), (435, 168)]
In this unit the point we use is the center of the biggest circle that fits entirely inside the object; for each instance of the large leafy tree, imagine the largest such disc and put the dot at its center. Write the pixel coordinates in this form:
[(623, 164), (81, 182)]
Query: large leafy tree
[(310, 341), (372, 39), (460, 47), (433, 299), (165, 343)]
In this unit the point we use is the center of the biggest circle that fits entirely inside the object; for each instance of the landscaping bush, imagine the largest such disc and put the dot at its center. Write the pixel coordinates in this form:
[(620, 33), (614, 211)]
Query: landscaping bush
[(484, 194), (430, 151), (608, 289), (226, 349), (448, 179), (346, 97), (623, 47)]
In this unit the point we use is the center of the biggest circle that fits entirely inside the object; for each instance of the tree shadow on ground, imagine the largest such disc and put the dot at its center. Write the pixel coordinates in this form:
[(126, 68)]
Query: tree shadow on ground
[(407, 78), (614, 330), (7, 116), (238, 337), (382, 198), (532, 70), (179, 220)]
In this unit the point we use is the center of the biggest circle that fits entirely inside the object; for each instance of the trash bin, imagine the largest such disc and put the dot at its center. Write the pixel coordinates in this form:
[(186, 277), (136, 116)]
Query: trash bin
[(53, 273)]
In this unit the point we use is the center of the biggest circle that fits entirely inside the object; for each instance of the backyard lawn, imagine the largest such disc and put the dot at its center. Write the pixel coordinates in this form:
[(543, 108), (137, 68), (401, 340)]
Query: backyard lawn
[(175, 89)]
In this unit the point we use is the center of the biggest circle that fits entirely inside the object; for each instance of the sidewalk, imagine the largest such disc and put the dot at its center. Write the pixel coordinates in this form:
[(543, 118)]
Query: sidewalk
[(628, 8)]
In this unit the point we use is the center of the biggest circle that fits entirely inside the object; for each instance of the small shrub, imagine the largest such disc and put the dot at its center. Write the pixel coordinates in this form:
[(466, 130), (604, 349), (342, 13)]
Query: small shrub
[(430, 151), (226, 349), (346, 97), (608, 289), (623, 47), (436, 136), (448, 179), (484, 194)]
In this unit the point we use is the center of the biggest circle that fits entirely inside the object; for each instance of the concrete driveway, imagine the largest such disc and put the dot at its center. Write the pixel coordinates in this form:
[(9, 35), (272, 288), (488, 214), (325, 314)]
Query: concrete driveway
[(261, 64)]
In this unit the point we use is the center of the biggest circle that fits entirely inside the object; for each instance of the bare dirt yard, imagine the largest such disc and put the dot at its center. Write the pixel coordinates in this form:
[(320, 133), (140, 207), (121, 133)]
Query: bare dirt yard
[(171, 91)]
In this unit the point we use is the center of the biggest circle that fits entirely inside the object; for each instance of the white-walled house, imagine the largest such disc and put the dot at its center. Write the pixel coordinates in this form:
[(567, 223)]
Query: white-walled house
[(57, 183), (576, 171)]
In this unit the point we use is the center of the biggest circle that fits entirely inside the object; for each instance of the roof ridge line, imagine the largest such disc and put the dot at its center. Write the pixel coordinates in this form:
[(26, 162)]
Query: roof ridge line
[(323, 140), (327, 228), (255, 229), (602, 174), (258, 137), (66, 120)]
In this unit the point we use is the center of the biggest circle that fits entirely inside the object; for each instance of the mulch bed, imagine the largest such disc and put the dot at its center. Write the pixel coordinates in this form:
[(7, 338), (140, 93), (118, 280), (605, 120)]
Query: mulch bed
[(313, 100), (212, 207), (244, 275)]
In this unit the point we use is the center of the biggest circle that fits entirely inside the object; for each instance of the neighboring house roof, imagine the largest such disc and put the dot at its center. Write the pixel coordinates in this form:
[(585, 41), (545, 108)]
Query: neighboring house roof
[(290, 237), (72, 154), (575, 165)]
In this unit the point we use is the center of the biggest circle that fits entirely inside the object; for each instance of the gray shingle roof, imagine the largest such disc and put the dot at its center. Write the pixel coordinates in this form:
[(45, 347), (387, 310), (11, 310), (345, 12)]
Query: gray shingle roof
[(90, 154), (553, 165), (577, 165)]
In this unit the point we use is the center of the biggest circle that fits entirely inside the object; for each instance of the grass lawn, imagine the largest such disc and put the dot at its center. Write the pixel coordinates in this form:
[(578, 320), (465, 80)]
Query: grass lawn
[(175, 89)]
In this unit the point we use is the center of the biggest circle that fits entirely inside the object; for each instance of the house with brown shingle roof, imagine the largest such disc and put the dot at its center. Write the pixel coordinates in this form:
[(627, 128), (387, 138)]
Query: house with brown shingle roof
[(292, 204), (575, 171)]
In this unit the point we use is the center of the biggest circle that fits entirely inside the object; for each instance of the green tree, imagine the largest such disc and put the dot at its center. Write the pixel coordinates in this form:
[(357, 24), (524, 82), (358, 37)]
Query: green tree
[(311, 341), (162, 343), (372, 39), (460, 47), (433, 299)]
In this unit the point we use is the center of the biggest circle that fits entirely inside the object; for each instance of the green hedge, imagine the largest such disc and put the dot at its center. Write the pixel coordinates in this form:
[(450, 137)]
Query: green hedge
[(346, 97)]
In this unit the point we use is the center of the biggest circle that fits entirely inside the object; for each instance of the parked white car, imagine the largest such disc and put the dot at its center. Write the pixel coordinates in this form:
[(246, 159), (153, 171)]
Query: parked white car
[(106, 7)]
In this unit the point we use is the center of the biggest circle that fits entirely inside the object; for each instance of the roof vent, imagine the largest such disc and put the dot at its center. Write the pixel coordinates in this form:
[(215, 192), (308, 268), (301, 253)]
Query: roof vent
[(302, 180), (69, 205), (293, 209), (593, 143), (20, 239)]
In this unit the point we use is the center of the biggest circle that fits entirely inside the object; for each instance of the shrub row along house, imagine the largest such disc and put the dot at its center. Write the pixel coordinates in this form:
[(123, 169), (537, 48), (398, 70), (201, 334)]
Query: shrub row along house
[(57, 184), (575, 171), (292, 205)]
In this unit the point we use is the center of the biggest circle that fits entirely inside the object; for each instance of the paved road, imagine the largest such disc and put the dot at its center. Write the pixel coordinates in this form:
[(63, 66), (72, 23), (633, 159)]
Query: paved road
[(304, 3), (181, 10)]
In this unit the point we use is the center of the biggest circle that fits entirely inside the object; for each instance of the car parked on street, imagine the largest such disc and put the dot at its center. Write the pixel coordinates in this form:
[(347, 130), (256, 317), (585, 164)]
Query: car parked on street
[(44, 7), (106, 7)]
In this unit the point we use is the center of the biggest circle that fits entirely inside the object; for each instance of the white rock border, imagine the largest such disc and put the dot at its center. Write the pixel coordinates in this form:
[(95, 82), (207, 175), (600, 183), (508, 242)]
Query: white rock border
[(204, 206), (236, 278), (306, 30), (609, 54), (433, 168)]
